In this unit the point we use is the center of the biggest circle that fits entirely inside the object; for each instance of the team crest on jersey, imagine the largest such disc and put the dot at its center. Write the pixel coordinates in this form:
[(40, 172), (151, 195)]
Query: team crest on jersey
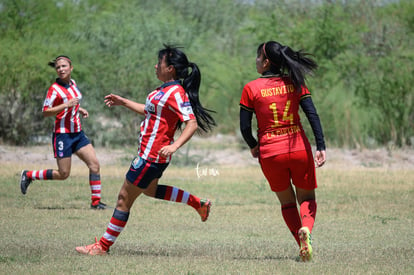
[(159, 95)]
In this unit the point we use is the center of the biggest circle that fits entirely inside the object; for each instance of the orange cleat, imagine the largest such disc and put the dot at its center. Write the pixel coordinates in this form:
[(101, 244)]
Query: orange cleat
[(204, 210), (92, 249)]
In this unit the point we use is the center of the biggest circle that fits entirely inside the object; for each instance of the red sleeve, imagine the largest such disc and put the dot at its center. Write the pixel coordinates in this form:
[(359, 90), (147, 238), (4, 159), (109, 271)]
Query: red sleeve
[(305, 92), (181, 105), (51, 99), (246, 101)]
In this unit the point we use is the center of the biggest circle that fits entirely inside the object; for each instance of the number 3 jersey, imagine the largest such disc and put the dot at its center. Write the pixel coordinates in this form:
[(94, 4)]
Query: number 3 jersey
[(275, 102), (164, 108)]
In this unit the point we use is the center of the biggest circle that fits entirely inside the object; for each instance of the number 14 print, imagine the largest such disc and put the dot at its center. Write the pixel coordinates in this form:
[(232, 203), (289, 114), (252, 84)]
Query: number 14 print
[(286, 116)]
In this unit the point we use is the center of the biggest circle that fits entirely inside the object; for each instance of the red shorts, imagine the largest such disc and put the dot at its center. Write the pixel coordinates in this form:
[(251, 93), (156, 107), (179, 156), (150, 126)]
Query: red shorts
[(296, 167)]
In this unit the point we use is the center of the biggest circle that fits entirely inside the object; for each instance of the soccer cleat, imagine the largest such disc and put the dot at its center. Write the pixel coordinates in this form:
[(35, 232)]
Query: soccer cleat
[(92, 249), (305, 252), (204, 210), (24, 182), (99, 206)]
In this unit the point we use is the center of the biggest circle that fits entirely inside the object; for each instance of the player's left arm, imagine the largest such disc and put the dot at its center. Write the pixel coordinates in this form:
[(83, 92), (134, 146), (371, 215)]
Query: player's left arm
[(189, 130), (83, 112), (309, 109)]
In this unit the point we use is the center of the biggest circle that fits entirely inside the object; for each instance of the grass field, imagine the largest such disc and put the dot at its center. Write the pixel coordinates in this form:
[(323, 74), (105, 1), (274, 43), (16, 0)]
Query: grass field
[(364, 224)]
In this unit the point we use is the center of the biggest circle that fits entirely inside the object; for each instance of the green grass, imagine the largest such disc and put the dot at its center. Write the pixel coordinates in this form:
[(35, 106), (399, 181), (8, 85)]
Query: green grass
[(364, 225)]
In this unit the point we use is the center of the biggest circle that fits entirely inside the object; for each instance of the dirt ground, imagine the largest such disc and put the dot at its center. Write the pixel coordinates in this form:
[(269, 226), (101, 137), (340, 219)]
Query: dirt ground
[(213, 150)]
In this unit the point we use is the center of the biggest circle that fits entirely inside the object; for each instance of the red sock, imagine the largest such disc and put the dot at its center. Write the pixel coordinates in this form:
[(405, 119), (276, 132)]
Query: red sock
[(171, 193), (291, 216), (95, 184), (308, 213), (115, 227), (40, 174)]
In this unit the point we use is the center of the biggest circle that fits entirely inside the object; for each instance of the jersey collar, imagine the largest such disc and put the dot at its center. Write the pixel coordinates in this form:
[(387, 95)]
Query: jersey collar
[(166, 84), (268, 74), (63, 84)]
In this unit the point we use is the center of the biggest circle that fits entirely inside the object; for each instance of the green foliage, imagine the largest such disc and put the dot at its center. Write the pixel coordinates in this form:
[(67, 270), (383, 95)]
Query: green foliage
[(364, 50), (382, 79)]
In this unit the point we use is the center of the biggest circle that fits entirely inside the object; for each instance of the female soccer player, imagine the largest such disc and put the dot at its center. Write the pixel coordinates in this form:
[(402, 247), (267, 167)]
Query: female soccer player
[(63, 101), (166, 108), (283, 149)]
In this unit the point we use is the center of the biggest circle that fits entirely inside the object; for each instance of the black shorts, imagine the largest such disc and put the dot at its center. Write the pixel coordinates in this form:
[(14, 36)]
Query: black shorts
[(142, 172), (64, 145)]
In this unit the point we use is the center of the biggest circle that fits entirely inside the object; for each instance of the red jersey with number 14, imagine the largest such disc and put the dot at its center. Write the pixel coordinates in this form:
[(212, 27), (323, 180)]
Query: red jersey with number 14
[(164, 108), (67, 121), (276, 105)]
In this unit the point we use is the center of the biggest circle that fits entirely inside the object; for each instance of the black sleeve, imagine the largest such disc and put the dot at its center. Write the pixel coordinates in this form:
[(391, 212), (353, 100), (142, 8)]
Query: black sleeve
[(310, 112), (246, 127)]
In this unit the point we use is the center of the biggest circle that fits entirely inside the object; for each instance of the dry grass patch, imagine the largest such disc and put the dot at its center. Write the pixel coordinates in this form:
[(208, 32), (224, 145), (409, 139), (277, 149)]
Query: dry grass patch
[(363, 225)]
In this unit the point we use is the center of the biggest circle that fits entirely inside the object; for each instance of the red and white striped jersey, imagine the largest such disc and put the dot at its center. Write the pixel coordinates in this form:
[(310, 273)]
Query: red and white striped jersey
[(164, 108), (68, 120)]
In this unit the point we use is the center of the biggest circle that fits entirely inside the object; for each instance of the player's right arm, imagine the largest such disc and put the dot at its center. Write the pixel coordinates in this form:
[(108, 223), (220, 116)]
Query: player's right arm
[(246, 115), (53, 111), (114, 100), (54, 104)]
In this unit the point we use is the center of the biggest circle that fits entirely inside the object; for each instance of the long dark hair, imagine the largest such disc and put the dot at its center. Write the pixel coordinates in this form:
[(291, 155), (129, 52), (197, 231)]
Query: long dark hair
[(283, 59), (191, 84)]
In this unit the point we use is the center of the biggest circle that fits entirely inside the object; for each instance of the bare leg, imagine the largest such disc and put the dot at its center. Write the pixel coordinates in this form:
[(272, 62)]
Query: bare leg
[(287, 196), (151, 189), (64, 166), (304, 195), (129, 193), (126, 198), (88, 156)]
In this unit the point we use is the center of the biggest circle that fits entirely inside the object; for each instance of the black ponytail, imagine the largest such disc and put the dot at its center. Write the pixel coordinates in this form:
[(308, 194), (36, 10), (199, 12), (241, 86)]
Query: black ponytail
[(191, 84), (285, 60)]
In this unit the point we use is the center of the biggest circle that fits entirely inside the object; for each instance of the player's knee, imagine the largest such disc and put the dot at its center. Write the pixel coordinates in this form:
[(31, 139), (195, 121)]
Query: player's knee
[(94, 167), (150, 191), (64, 175), (122, 202)]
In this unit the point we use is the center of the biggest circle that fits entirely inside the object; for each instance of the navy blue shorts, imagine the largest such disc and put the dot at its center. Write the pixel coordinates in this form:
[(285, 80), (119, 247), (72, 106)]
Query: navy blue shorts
[(64, 145), (142, 172)]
